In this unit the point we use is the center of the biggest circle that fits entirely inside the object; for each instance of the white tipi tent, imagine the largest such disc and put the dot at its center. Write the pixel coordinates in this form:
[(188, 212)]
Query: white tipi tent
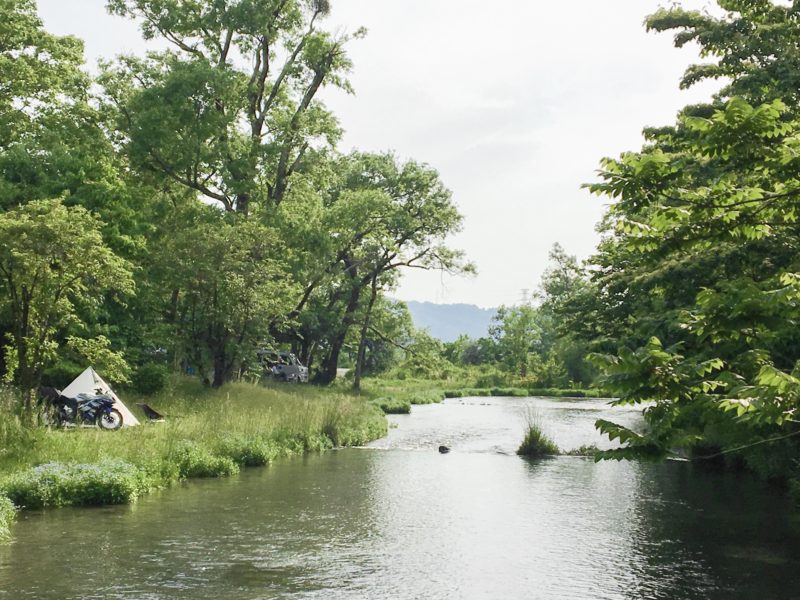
[(89, 382)]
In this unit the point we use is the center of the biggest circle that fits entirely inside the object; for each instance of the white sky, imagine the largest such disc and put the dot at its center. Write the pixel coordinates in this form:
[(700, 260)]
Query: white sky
[(513, 101)]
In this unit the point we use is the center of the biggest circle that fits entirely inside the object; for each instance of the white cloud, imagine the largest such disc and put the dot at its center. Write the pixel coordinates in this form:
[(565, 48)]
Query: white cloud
[(514, 102)]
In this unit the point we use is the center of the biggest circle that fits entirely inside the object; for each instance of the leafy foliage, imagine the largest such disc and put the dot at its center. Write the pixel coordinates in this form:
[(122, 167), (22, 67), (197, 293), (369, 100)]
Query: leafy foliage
[(696, 275), (8, 513), (58, 484), (52, 261)]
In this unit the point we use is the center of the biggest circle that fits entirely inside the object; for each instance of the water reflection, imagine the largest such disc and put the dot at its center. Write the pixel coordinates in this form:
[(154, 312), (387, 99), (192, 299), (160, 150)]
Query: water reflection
[(402, 521)]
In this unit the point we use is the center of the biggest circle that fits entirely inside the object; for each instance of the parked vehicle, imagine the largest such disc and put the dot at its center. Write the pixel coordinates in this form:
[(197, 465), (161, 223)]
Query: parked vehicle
[(85, 409), (283, 366)]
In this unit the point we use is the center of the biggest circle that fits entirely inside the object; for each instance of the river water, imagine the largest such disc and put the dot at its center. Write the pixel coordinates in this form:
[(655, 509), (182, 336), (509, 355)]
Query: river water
[(399, 520)]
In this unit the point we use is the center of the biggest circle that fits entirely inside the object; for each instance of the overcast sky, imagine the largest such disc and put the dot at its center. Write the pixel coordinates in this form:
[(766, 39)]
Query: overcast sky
[(513, 101)]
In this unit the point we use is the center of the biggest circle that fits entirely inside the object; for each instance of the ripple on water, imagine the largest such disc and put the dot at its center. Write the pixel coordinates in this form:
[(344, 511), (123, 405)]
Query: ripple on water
[(409, 522)]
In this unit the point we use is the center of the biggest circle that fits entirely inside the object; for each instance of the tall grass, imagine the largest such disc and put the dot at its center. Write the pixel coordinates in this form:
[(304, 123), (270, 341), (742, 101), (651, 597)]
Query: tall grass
[(206, 433), (8, 513), (536, 443), (395, 396)]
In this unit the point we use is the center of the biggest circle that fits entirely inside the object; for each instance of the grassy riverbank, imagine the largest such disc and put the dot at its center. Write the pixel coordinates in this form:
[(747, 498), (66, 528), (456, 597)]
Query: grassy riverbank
[(207, 433), (396, 396), (517, 392)]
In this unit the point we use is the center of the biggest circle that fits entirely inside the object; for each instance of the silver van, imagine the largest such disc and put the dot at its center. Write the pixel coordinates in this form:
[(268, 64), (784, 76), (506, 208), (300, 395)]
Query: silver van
[(283, 366)]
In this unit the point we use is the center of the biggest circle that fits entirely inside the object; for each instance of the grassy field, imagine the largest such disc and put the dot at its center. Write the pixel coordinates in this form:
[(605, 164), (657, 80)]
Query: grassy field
[(207, 433)]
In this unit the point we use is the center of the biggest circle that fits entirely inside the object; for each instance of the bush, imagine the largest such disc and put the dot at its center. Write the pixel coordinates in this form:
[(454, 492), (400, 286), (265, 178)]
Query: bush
[(61, 374), (536, 444), (149, 379), (587, 450), (248, 451), (8, 512), (194, 460), (565, 393), (491, 379), (427, 397), (59, 484), (467, 393), (509, 392), (393, 406)]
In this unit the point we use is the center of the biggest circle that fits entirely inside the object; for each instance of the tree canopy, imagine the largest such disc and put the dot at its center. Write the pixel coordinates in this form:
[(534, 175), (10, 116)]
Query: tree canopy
[(196, 201)]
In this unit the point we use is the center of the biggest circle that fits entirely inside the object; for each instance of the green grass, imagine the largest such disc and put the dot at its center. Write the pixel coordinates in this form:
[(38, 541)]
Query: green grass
[(426, 396), (58, 484), (396, 396), (393, 406), (523, 392), (8, 513), (207, 433), (567, 393)]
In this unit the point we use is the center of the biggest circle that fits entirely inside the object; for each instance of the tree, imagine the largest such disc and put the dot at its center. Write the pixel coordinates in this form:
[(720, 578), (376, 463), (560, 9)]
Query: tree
[(516, 331), (725, 195), (225, 282), (39, 72), (752, 46), (379, 216), (697, 273), (52, 261), (564, 295), (230, 111)]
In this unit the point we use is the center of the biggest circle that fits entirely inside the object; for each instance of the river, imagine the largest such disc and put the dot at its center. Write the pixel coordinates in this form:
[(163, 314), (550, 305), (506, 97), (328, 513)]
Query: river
[(399, 520)]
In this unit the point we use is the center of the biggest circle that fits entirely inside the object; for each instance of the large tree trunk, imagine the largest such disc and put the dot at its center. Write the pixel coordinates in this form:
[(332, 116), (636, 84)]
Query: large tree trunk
[(222, 369), (327, 372), (362, 342)]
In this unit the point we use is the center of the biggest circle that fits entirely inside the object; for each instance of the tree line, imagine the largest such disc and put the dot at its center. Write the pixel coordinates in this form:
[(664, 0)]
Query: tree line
[(189, 206)]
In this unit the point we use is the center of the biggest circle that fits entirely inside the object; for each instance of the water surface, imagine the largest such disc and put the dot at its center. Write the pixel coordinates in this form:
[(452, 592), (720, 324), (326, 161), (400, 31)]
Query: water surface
[(399, 520)]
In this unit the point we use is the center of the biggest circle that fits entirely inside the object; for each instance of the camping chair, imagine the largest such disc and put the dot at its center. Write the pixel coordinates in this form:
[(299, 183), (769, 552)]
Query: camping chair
[(150, 413)]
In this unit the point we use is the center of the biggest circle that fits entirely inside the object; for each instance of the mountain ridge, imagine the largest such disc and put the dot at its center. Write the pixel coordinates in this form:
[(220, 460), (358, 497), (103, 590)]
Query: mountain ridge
[(448, 321)]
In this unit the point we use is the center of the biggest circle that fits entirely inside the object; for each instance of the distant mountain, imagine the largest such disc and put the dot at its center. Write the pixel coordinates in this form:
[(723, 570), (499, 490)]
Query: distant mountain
[(448, 321)]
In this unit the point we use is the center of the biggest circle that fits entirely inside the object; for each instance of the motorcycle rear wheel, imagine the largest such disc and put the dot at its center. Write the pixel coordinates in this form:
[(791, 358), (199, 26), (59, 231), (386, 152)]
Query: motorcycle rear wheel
[(110, 421)]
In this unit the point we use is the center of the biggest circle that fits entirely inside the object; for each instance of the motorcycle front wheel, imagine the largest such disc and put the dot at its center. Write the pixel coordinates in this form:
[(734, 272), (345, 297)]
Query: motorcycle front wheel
[(110, 421)]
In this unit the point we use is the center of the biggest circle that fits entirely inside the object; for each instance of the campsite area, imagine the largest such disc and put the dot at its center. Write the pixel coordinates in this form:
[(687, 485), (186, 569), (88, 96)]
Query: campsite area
[(357, 299)]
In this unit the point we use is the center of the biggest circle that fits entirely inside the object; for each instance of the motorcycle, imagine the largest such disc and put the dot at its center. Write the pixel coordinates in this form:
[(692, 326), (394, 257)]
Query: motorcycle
[(88, 409)]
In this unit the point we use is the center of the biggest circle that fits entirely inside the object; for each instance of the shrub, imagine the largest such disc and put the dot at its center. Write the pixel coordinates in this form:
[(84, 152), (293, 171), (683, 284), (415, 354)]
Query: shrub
[(149, 379), (59, 484), (565, 393), (509, 392), (248, 451), (588, 450), (426, 397), (536, 443), (61, 374), (491, 378), (393, 406), (361, 429), (316, 442), (194, 460), (8, 512)]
